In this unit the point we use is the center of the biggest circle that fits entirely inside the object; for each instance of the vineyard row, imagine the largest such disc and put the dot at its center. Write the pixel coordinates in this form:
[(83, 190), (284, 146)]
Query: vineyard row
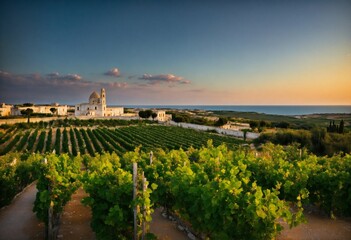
[(97, 140)]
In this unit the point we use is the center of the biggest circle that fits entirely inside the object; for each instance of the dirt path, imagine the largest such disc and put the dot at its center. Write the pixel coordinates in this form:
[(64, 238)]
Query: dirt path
[(75, 221), (17, 221), (318, 227), (165, 229)]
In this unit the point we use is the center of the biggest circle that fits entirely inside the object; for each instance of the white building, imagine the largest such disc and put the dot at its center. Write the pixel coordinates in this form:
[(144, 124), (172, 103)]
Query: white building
[(162, 116), (97, 107), (5, 110), (236, 126), (61, 110)]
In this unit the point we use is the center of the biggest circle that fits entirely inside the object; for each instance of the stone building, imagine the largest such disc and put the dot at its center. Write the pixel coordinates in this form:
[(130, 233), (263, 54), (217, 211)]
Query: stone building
[(61, 110), (162, 116), (5, 110), (96, 107)]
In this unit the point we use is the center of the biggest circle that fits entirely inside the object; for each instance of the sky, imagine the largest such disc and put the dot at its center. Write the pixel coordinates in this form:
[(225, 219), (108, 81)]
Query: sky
[(182, 52)]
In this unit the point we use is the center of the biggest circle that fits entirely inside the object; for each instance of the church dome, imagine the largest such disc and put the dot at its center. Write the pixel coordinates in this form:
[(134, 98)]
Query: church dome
[(94, 95)]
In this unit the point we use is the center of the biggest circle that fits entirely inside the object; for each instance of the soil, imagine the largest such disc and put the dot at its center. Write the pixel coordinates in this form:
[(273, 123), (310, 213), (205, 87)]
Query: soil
[(17, 221), (165, 229), (318, 227), (75, 220)]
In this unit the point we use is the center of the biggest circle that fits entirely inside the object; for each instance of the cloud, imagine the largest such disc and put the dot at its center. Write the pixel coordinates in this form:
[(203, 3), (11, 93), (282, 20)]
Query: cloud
[(68, 77), (114, 72), (52, 81), (163, 78)]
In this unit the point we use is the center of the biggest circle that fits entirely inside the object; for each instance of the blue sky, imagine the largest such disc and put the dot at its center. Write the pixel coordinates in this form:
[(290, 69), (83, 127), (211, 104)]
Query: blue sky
[(176, 52)]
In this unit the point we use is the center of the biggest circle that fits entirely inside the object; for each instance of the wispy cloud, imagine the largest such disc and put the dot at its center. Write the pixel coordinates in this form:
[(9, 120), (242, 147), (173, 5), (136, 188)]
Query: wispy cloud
[(163, 78), (70, 77), (48, 87), (54, 79), (114, 72)]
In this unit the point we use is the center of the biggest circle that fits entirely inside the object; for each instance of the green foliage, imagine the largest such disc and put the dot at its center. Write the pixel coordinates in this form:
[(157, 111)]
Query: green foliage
[(65, 148), (221, 121), (81, 143), (58, 141), (145, 114), (73, 142), (48, 141), (330, 184), (94, 141), (41, 140), (10, 145), (153, 115), (31, 140), (111, 194), (223, 193), (56, 183), (87, 142), (15, 174), (318, 140), (27, 112)]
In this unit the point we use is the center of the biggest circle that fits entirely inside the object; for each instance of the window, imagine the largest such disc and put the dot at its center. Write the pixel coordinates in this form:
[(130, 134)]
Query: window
[(95, 108), (88, 108), (78, 108)]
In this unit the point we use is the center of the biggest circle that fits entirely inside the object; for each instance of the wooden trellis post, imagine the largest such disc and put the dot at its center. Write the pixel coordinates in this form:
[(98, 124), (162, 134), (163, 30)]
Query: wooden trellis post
[(135, 185), (151, 155), (144, 186)]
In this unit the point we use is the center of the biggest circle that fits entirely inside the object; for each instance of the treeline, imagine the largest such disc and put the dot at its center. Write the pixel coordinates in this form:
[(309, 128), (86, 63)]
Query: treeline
[(261, 125), (147, 114), (318, 141), (187, 118), (334, 128)]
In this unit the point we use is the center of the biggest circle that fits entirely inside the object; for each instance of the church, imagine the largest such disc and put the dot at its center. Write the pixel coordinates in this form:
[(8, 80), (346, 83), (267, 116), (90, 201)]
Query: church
[(97, 107)]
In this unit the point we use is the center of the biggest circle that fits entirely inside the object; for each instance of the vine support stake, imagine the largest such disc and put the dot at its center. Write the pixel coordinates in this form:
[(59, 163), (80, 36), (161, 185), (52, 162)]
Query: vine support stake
[(50, 222), (151, 155), (135, 179), (144, 186)]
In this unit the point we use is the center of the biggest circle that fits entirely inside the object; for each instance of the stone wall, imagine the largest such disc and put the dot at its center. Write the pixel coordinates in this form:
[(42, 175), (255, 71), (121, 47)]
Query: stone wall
[(235, 133), (32, 119)]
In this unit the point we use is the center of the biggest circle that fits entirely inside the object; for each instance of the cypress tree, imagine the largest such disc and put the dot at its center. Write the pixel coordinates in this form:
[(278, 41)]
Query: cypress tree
[(341, 128)]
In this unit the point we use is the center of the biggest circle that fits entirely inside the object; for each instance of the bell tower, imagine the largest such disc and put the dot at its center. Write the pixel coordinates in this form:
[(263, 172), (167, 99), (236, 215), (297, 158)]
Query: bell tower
[(103, 101)]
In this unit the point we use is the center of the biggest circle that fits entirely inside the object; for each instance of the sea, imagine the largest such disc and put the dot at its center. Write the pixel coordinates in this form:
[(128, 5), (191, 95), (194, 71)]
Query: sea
[(287, 110)]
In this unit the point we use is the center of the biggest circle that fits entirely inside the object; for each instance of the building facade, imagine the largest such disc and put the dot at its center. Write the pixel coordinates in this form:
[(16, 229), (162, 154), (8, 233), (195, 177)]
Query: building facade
[(61, 110), (162, 116), (5, 110), (96, 107)]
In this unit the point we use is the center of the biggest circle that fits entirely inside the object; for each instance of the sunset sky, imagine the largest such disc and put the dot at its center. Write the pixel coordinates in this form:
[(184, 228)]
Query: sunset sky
[(176, 52)]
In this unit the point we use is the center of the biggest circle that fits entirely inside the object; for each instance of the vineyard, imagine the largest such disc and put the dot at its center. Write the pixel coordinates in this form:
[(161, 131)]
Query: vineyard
[(92, 140), (223, 190)]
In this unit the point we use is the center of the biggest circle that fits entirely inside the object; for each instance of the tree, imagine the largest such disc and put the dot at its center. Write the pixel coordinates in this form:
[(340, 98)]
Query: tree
[(148, 113), (153, 115), (53, 110), (245, 133), (283, 125), (145, 114), (28, 104), (221, 121), (141, 114), (27, 112), (253, 124), (263, 123), (341, 127)]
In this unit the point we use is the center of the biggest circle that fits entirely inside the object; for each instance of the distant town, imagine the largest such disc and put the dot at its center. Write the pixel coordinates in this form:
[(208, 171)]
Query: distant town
[(95, 107)]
